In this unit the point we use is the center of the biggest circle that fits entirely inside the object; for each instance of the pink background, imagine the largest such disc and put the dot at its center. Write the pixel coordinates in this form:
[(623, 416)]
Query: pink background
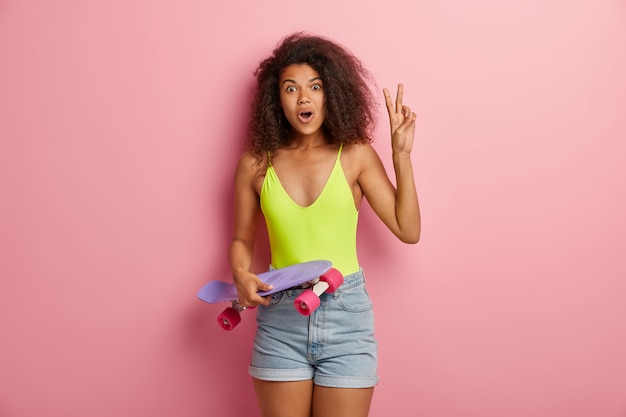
[(121, 122)]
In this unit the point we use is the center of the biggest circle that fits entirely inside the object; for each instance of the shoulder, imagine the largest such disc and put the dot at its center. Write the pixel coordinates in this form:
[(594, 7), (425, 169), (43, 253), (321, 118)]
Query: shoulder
[(249, 162), (360, 154), (250, 170), (358, 160)]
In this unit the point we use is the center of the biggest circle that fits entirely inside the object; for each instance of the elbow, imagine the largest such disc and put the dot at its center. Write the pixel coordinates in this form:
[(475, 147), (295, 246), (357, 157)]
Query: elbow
[(409, 230), (410, 238)]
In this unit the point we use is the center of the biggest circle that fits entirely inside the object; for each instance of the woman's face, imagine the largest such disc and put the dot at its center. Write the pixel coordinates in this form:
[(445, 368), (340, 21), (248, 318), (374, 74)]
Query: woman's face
[(302, 98)]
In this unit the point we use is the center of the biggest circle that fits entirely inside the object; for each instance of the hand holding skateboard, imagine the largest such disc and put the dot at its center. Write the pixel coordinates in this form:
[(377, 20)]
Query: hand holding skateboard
[(325, 278), (248, 286)]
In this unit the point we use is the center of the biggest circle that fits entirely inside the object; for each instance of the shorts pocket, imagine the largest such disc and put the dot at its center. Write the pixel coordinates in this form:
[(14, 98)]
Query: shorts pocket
[(355, 300), (275, 301)]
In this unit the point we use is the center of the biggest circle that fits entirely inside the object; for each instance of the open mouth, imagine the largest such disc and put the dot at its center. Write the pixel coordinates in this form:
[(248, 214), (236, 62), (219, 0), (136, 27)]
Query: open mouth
[(305, 116)]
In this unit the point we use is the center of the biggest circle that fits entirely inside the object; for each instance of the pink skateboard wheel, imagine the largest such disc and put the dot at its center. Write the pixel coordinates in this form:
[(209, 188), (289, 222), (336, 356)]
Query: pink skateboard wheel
[(229, 319), (333, 278), (307, 302)]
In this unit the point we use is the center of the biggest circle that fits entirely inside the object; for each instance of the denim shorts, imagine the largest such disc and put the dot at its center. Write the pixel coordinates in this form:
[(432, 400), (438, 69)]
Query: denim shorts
[(334, 346)]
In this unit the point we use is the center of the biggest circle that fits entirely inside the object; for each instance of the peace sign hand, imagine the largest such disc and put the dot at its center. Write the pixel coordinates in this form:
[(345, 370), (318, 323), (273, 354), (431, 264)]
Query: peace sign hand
[(402, 122)]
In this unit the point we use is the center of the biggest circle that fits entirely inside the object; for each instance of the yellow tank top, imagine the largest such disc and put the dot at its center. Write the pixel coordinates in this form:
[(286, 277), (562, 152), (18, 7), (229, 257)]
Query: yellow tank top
[(324, 230)]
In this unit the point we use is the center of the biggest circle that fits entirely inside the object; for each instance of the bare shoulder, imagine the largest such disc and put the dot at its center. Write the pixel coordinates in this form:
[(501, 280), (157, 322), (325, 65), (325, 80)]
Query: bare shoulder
[(250, 170), (360, 150), (360, 157), (250, 164)]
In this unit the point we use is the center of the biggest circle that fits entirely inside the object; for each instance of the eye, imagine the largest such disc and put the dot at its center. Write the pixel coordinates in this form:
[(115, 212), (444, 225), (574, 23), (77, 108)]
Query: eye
[(290, 89), (316, 87)]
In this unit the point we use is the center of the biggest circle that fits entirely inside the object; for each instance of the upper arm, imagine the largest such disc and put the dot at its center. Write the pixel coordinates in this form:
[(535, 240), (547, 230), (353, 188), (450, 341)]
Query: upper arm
[(376, 186), (246, 200)]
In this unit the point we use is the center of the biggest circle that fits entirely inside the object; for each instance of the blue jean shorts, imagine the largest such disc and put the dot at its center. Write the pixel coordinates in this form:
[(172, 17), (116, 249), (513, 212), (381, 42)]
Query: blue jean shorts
[(334, 346)]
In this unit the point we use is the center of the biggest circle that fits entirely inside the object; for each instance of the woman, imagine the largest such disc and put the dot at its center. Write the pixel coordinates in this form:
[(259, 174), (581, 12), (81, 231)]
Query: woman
[(308, 166)]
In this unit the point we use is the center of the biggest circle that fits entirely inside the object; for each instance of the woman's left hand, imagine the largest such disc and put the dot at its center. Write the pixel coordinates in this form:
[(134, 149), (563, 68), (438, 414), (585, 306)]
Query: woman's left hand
[(402, 121)]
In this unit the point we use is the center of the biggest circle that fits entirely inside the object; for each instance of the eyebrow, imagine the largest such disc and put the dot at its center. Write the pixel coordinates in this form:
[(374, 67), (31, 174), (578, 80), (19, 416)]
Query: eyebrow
[(289, 80)]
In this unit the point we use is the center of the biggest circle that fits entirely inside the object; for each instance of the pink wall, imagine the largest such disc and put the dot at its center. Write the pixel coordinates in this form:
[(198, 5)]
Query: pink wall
[(120, 123)]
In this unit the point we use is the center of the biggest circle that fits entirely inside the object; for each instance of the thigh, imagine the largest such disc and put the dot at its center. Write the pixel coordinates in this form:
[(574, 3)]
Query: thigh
[(341, 402), (284, 399), (349, 354), (281, 341)]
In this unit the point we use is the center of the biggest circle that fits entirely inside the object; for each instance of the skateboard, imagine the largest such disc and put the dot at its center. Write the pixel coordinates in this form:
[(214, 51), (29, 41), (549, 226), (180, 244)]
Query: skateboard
[(320, 273)]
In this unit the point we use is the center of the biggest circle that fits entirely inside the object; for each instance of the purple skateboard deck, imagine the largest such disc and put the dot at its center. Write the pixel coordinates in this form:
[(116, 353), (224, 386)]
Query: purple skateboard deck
[(281, 279)]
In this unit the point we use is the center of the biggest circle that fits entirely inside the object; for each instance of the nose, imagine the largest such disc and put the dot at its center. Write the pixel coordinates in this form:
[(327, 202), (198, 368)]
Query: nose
[(304, 98)]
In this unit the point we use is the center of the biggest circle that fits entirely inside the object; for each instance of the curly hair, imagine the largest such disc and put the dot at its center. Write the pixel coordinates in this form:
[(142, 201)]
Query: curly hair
[(349, 102)]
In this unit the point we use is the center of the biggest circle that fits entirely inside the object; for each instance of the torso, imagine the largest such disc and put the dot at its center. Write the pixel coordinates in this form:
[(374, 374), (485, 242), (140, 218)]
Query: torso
[(309, 208), (303, 173)]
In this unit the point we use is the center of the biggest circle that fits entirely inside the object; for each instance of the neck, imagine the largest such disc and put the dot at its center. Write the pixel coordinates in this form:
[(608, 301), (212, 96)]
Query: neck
[(308, 141)]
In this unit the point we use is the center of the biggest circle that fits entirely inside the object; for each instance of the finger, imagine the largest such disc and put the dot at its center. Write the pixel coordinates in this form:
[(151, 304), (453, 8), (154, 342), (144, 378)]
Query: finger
[(399, 96), (411, 117), (388, 101), (246, 300), (266, 300), (407, 122), (262, 286), (252, 301), (258, 300)]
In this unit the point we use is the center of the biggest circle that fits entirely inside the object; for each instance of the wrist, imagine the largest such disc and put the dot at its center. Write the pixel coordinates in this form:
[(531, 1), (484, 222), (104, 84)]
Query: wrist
[(399, 156), (238, 272)]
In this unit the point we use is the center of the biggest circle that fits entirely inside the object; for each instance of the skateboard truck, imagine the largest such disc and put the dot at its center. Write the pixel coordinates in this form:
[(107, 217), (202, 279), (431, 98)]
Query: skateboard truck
[(307, 302)]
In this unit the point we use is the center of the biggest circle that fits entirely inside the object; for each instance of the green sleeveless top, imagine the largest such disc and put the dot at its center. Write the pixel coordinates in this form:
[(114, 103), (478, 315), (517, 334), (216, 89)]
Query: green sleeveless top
[(324, 230)]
